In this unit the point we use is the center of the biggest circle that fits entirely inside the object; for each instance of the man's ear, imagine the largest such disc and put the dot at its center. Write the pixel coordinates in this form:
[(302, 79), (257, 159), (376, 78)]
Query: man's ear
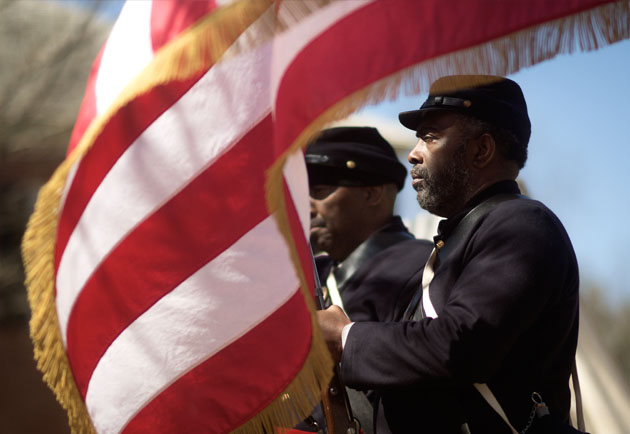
[(484, 148), (374, 194)]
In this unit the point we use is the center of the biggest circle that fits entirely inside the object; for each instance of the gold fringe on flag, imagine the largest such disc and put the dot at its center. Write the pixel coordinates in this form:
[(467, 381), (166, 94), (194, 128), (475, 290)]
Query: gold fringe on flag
[(585, 31), (297, 401), (38, 249), (192, 52)]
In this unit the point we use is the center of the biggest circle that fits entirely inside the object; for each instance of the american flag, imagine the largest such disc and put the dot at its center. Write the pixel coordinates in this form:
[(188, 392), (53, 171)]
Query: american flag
[(167, 259)]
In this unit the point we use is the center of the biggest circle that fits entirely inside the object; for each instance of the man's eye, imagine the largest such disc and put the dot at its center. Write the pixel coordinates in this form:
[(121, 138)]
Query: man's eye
[(426, 136), (319, 192)]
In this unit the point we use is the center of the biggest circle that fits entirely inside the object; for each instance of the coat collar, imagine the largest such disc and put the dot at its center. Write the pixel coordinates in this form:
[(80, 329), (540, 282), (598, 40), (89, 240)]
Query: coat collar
[(390, 234), (445, 227)]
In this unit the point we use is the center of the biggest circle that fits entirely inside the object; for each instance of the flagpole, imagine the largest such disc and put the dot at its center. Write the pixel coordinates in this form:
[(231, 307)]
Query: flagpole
[(318, 283), (335, 402)]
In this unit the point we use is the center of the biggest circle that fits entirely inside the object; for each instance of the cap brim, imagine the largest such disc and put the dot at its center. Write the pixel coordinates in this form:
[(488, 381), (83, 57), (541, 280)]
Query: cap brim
[(410, 119)]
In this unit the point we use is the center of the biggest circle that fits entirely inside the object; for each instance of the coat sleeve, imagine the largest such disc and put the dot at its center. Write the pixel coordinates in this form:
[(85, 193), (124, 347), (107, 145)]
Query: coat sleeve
[(515, 264)]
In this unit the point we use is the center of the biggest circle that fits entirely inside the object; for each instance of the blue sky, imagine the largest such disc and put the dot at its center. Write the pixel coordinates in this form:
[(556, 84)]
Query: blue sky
[(579, 154), (579, 151)]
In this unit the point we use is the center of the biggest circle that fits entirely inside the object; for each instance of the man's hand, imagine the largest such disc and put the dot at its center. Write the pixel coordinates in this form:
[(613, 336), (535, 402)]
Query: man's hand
[(331, 322)]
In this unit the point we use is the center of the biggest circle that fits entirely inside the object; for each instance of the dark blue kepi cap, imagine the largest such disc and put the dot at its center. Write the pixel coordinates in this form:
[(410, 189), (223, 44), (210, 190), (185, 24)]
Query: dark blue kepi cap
[(353, 156), (496, 100)]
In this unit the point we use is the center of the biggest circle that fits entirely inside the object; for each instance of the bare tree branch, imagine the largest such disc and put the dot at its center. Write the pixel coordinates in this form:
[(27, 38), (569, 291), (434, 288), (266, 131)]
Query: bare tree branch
[(46, 49)]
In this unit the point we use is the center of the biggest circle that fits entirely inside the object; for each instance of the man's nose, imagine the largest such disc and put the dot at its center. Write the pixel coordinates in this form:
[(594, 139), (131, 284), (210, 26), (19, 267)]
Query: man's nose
[(415, 157), (313, 210)]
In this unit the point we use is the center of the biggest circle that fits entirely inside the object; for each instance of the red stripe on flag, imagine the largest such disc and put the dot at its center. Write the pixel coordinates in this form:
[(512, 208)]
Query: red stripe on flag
[(210, 214), (119, 133), (171, 17), (87, 112), (401, 34), (236, 383)]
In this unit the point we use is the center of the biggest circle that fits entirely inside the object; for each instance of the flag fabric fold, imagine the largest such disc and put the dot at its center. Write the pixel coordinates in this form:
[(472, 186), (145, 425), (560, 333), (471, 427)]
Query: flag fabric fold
[(167, 261)]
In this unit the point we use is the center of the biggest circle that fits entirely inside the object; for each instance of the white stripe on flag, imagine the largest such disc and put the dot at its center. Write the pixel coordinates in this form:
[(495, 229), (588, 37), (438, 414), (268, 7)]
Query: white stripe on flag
[(127, 51), (175, 148), (254, 277)]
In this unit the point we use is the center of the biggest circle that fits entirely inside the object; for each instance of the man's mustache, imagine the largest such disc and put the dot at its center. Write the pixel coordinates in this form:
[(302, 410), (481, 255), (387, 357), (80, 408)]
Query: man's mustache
[(318, 222), (419, 172)]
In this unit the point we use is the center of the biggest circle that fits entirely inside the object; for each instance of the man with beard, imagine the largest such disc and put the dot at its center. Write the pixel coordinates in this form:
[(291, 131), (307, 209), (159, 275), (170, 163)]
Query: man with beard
[(372, 265), (497, 315)]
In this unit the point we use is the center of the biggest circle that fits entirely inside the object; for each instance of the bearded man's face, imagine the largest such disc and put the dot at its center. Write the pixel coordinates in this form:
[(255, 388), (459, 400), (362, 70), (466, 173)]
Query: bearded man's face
[(441, 173)]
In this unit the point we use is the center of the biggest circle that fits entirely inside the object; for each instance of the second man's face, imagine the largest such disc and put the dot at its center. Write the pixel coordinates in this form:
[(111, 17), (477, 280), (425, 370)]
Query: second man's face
[(336, 212)]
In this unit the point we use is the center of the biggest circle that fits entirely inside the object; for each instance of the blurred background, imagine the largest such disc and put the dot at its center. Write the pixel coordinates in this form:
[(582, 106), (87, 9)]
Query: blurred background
[(579, 150)]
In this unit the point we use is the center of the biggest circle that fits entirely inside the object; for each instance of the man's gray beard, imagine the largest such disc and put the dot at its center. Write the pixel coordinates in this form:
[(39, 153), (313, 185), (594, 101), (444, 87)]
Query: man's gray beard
[(446, 192)]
